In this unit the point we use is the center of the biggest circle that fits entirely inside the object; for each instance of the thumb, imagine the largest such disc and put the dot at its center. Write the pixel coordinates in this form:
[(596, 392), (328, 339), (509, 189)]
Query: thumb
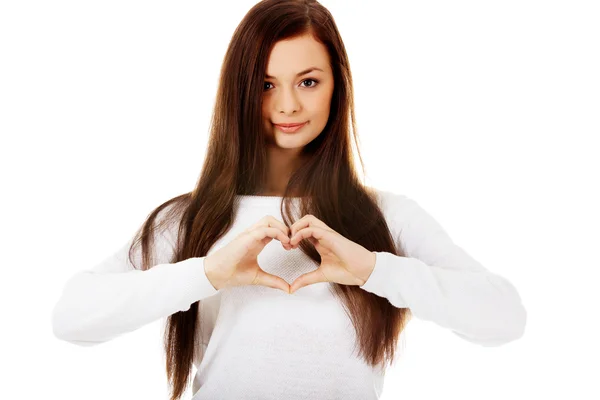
[(265, 279), (309, 278)]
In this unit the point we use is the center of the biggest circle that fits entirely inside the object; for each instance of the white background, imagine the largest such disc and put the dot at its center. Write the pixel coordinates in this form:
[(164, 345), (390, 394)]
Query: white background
[(486, 113)]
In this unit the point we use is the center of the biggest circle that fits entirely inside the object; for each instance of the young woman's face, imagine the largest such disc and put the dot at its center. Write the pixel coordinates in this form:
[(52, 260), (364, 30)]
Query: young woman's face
[(289, 98)]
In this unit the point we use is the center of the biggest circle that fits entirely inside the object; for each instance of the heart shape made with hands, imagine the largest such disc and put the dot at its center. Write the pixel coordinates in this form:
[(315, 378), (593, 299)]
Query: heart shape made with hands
[(342, 260)]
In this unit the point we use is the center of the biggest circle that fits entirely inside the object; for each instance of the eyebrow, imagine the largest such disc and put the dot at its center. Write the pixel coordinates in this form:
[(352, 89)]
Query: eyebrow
[(306, 71)]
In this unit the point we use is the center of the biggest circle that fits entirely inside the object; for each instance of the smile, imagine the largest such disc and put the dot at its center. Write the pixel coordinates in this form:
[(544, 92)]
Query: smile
[(290, 129)]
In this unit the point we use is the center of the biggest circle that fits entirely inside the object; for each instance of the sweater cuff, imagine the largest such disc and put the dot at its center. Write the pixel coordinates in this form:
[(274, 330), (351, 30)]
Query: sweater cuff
[(198, 286), (385, 277)]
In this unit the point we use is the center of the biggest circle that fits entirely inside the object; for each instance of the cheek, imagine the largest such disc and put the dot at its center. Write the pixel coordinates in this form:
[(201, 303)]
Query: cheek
[(322, 106)]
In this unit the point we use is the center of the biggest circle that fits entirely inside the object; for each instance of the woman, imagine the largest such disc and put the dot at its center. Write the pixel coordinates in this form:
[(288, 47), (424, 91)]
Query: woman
[(319, 316)]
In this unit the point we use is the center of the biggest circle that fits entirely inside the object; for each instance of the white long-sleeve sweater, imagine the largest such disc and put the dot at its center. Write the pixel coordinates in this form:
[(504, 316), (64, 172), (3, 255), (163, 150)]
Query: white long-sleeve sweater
[(262, 343)]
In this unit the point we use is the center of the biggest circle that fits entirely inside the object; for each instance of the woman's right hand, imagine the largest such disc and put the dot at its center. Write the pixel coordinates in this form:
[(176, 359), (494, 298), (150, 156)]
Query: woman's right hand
[(236, 263)]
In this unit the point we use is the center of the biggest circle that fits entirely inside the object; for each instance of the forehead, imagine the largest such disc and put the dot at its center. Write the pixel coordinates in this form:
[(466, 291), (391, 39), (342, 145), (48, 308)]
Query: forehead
[(294, 55)]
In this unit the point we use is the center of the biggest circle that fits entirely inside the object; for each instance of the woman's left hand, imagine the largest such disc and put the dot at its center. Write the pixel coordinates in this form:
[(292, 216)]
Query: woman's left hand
[(342, 260)]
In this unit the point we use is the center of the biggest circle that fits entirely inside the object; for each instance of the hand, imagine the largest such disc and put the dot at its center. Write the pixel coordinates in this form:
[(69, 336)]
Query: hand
[(236, 263), (342, 260)]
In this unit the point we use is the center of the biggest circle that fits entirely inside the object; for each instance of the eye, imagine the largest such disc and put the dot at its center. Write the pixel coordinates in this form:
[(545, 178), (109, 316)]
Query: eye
[(311, 80), (315, 82)]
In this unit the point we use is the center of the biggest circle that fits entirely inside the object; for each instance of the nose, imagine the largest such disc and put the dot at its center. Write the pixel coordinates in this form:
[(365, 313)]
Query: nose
[(287, 102)]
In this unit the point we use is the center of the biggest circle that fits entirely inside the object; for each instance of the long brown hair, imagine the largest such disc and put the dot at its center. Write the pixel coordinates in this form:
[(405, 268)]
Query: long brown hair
[(236, 164)]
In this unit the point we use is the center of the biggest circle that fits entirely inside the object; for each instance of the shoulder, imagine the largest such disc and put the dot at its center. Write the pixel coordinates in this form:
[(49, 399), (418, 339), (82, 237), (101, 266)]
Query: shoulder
[(401, 210), (169, 218), (412, 224), (390, 201)]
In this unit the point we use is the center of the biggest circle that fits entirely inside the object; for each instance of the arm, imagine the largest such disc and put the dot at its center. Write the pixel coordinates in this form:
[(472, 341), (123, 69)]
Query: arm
[(112, 298), (440, 282)]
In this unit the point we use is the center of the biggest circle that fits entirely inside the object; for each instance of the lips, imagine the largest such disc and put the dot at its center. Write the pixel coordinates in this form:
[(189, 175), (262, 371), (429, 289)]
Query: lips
[(290, 125), (290, 128)]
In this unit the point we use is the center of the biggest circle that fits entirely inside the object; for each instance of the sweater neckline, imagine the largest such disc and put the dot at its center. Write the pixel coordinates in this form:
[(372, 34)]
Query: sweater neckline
[(248, 199)]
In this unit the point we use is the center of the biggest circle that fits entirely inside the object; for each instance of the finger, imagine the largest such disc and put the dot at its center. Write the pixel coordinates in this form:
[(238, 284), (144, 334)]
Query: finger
[(309, 278), (265, 235), (274, 233), (285, 231), (265, 279), (321, 236), (301, 223), (306, 221), (299, 236), (272, 221), (305, 234)]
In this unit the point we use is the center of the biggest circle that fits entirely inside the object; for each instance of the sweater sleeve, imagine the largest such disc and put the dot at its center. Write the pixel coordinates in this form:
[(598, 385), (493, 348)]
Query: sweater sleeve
[(103, 302), (440, 282)]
